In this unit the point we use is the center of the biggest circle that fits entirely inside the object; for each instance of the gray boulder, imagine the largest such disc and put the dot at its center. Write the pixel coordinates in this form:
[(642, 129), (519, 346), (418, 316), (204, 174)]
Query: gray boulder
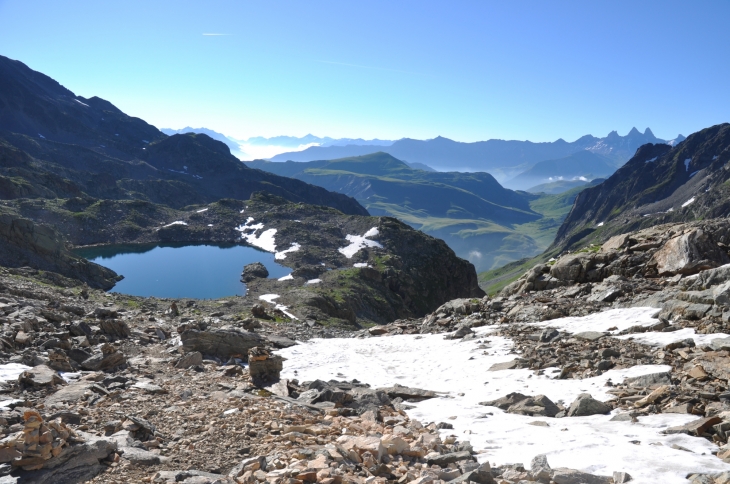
[(539, 405), (562, 475), (222, 343), (586, 405)]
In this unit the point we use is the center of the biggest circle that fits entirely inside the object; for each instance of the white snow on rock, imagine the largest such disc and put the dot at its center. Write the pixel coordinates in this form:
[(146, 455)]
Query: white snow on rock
[(269, 298), (600, 224), (663, 339), (202, 210), (11, 371), (264, 241), (176, 222), (282, 255), (593, 444), (688, 202), (83, 104), (314, 281), (287, 277), (652, 160), (361, 264), (620, 319), (686, 164), (358, 242)]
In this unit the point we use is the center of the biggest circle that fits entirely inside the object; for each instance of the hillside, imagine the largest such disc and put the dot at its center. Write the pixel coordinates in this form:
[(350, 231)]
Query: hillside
[(478, 218)]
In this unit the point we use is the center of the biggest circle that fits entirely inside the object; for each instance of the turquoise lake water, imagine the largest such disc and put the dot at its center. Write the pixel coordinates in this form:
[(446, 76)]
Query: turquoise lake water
[(194, 271)]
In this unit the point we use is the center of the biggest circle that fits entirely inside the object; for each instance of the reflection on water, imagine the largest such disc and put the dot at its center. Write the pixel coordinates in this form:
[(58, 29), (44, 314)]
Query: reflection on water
[(180, 270)]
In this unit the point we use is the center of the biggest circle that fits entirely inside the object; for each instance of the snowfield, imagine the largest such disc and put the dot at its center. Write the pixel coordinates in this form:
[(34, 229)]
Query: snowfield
[(459, 370)]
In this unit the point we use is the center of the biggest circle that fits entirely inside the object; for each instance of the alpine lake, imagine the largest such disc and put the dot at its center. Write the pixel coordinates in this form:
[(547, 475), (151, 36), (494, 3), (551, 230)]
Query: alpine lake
[(181, 270)]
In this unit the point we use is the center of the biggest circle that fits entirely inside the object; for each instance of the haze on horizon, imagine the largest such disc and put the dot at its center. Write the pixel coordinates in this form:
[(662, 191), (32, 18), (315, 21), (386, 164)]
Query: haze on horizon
[(468, 71)]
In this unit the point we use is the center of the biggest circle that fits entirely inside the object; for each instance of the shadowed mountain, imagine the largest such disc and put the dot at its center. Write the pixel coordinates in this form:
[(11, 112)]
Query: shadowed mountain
[(54, 144), (660, 184)]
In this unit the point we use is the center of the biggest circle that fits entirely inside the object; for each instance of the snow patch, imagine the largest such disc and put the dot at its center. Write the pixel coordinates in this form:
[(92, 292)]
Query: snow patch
[(11, 371), (176, 222), (620, 319), (652, 160), (314, 281), (40, 135), (282, 255), (287, 277), (361, 264), (201, 210), (686, 164), (663, 339), (688, 202), (263, 241), (358, 242), (83, 104), (269, 298), (600, 224), (693, 173), (459, 370)]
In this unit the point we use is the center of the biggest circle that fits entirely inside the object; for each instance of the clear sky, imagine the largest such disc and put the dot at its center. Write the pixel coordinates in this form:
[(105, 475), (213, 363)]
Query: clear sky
[(469, 71)]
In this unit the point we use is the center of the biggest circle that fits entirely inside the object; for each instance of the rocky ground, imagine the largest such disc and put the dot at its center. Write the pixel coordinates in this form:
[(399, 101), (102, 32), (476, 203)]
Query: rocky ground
[(105, 387)]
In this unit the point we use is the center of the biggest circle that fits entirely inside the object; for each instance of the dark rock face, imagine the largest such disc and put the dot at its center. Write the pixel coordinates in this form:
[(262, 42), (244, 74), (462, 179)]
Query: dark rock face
[(254, 271), (25, 243), (660, 184)]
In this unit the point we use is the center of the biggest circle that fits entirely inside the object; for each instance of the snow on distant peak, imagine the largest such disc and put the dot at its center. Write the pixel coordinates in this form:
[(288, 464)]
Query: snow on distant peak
[(688, 202), (264, 241), (686, 164), (358, 242), (652, 160), (83, 104)]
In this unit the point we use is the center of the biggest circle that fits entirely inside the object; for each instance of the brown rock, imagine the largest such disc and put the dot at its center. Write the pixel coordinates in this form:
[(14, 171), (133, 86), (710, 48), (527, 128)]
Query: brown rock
[(696, 427)]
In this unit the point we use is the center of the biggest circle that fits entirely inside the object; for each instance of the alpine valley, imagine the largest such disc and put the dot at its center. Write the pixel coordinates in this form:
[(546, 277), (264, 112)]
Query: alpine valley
[(594, 350)]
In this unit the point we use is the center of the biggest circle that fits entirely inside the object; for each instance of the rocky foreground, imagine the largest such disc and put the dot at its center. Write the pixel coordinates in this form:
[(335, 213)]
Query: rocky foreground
[(110, 388)]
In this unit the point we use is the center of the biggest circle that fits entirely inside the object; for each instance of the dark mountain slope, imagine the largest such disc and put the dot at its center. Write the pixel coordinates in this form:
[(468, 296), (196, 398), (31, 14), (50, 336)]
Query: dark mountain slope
[(660, 184), (102, 152)]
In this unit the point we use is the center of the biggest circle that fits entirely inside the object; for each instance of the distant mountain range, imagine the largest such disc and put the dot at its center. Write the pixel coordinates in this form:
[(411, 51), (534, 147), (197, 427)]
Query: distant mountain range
[(505, 160), (260, 147)]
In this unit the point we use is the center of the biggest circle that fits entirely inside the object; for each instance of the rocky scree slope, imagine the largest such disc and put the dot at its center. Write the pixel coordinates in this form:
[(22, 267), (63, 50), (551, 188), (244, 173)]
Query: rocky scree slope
[(100, 387), (56, 144), (660, 184)]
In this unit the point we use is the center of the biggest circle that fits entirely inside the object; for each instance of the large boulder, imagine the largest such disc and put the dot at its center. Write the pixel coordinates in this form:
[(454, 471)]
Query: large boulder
[(222, 343), (254, 271), (689, 253)]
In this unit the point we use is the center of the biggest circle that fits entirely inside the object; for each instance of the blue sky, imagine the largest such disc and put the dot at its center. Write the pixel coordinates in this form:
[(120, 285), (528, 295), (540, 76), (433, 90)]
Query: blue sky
[(465, 70)]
